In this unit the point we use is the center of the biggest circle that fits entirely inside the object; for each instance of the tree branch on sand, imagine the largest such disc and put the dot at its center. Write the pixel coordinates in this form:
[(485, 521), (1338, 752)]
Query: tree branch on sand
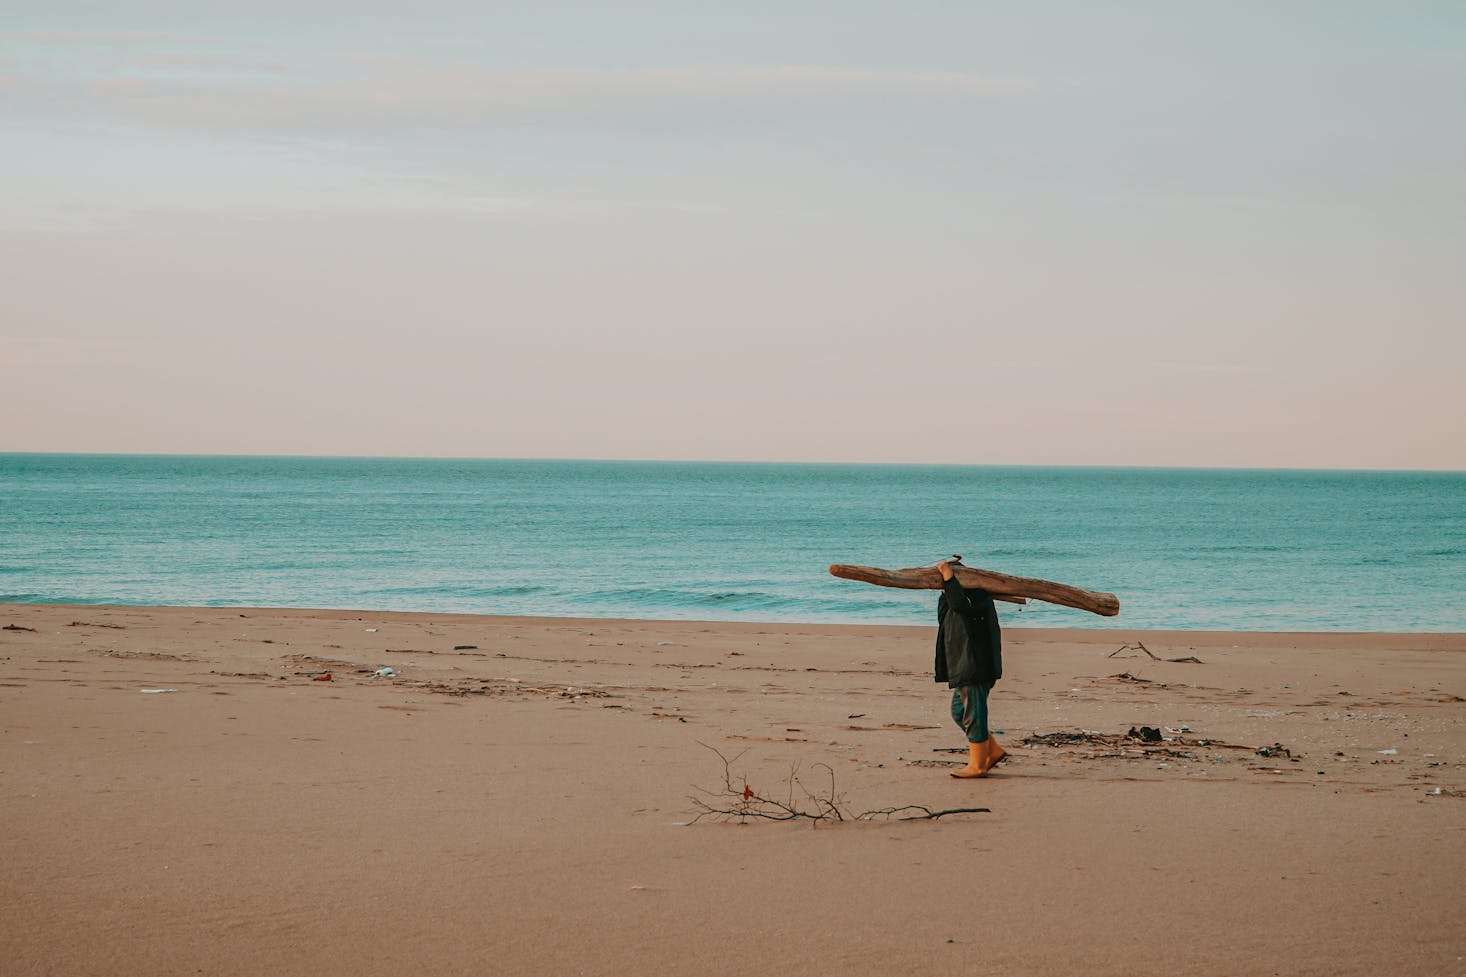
[(736, 800), (1140, 646)]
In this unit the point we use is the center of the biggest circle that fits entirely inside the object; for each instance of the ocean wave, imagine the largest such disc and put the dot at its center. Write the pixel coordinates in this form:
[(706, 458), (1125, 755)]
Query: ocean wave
[(665, 597), (59, 599), (470, 591), (1240, 548), (1027, 552)]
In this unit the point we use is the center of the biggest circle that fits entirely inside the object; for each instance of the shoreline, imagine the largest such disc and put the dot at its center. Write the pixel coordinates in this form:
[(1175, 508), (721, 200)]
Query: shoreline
[(515, 776), (466, 617)]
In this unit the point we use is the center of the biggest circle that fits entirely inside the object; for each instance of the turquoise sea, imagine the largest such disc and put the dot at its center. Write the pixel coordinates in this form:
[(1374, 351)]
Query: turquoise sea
[(1195, 549)]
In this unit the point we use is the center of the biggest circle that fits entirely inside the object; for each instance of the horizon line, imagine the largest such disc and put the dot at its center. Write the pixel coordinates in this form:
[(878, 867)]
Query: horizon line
[(302, 456)]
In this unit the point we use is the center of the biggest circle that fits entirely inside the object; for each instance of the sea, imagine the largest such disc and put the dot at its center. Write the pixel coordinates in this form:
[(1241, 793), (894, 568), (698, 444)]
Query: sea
[(1262, 550)]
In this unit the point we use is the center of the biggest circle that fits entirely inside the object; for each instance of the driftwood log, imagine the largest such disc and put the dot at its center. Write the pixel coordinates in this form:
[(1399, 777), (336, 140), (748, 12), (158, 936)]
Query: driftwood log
[(1000, 585)]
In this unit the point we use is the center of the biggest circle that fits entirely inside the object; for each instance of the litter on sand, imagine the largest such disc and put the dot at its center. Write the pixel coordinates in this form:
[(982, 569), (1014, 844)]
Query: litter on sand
[(155, 691), (386, 672)]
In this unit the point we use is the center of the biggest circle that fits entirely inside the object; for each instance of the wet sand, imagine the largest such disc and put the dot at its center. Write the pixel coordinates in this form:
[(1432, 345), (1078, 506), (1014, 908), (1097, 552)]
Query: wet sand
[(520, 805)]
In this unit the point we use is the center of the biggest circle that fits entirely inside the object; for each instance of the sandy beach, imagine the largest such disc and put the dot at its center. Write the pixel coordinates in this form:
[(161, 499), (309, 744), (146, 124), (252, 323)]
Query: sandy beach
[(515, 799)]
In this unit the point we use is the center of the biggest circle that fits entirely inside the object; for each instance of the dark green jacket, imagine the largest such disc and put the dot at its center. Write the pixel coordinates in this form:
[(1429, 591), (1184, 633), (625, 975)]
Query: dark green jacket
[(969, 644)]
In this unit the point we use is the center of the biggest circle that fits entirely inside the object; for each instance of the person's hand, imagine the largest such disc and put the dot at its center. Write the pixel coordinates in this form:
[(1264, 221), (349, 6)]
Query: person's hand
[(944, 567)]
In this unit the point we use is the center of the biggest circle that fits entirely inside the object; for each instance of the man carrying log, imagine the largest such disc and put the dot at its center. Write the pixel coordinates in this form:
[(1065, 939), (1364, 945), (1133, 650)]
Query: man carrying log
[(969, 659), (969, 645)]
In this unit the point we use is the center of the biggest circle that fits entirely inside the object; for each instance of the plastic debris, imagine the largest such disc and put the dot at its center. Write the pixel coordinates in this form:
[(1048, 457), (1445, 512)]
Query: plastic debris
[(371, 630), (323, 677), (385, 672), (155, 691), (1390, 752)]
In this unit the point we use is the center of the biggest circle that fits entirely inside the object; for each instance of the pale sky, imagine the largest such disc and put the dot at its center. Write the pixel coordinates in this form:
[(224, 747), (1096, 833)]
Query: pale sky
[(1227, 234)]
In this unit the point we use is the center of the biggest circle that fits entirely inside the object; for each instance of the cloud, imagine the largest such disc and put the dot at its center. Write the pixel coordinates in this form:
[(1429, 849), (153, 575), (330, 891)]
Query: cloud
[(49, 350), (466, 96), (428, 80), (88, 38), (162, 79), (1203, 367)]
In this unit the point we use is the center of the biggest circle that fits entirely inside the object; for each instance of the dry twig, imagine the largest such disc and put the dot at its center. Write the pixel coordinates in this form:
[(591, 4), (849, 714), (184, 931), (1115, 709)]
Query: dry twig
[(1140, 646), (736, 800)]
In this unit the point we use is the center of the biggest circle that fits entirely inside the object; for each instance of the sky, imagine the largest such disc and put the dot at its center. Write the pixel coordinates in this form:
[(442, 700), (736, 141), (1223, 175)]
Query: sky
[(1222, 235)]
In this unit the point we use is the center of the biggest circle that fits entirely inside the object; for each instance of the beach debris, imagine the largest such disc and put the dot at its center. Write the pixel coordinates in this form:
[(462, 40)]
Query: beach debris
[(371, 630), (1089, 744), (1127, 677), (503, 686), (323, 677), (17, 627), (91, 624), (1390, 752), (385, 672), (155, 691), (465, 647), (1277, 749), (1068, 739)]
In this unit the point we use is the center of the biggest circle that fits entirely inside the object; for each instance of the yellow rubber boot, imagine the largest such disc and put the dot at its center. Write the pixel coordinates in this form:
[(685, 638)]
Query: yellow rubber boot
[(977, 760), (995, 754)]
